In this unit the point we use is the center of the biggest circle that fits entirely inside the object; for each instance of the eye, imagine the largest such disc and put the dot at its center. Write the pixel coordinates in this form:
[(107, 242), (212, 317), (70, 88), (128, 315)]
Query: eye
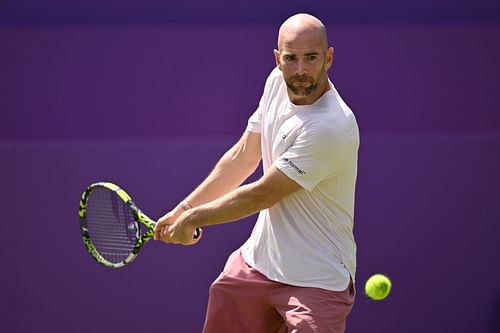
[(312, 57), (288, 57)]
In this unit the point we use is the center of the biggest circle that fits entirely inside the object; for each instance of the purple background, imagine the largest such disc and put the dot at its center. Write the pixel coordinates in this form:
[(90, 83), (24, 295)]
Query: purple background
[(150, 95)]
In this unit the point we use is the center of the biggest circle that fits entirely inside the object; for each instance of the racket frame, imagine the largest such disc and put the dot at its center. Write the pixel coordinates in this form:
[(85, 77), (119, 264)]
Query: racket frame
[(139, 217)]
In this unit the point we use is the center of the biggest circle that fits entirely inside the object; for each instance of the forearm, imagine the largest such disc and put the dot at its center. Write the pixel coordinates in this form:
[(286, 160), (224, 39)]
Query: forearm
[(237, 204)]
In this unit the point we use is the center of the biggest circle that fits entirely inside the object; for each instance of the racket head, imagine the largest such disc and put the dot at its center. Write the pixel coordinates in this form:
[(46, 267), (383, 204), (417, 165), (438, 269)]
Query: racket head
[(112, 227)]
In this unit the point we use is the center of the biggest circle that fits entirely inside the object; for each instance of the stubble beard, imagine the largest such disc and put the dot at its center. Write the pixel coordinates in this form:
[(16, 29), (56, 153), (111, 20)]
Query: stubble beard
[(314, 83)]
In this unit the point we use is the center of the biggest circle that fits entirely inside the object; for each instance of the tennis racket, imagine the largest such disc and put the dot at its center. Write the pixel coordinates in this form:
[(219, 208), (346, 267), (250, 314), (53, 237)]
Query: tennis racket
[(113, 229)]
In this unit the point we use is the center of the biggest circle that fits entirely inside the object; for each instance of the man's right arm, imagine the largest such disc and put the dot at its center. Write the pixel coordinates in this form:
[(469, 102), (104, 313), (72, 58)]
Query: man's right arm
[(234, 167)]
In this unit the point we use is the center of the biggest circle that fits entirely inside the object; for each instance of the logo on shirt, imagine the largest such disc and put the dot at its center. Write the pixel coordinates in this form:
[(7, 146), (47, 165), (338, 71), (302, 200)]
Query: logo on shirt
[(293, 165)]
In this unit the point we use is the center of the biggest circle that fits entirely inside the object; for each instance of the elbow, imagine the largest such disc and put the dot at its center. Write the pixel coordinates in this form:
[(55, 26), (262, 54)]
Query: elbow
[(248, 165), (252, 165), (246, 158)]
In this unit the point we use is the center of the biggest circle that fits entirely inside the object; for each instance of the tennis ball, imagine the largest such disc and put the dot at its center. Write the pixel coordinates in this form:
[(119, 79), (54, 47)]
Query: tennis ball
[(378, 287)]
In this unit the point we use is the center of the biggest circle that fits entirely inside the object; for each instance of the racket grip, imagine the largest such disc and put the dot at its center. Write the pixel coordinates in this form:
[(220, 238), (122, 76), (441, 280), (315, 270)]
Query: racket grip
[(197, 233)]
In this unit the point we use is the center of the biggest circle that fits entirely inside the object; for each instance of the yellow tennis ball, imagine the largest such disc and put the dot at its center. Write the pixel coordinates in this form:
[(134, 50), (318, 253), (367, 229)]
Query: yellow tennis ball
[(378, 287)]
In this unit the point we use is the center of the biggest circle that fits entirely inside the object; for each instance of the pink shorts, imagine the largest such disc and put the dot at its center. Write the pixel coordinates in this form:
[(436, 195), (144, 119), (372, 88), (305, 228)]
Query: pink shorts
[(242, 300)]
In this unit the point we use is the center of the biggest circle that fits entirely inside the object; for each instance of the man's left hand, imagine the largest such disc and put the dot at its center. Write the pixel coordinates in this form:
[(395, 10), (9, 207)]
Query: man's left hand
[(181, 231)]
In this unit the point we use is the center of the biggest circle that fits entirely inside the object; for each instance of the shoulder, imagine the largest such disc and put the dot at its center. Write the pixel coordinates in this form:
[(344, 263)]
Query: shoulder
[(274, 79), (334, 114), (275, 74), (332, 121)]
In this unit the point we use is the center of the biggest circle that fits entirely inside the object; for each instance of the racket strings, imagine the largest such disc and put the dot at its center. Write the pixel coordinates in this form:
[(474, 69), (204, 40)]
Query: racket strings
[(111, 225)]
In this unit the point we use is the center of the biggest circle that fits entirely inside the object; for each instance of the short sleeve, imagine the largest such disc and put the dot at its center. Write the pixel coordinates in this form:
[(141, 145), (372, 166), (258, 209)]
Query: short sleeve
[(313, 157), (254, 122)]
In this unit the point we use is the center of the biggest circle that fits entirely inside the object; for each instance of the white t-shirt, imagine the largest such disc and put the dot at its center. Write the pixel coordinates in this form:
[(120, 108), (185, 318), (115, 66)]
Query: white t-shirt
[(306, 239)]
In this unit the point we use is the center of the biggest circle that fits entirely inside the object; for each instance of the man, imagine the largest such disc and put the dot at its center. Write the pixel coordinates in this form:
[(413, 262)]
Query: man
[(295, 273)]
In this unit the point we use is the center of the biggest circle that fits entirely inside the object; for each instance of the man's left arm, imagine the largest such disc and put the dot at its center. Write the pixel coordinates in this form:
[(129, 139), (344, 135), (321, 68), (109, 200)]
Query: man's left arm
[(243, 201)]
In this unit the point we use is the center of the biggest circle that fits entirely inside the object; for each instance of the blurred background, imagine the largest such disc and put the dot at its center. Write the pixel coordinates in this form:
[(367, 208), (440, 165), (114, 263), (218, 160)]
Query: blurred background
[(149, 94)]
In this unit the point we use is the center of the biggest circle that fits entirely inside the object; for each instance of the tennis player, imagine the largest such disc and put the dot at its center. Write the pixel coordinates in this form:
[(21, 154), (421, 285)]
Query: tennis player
[(295, 273)]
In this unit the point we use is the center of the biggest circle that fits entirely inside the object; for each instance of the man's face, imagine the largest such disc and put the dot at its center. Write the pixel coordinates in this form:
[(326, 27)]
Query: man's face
[(303, 82), (304, 61)]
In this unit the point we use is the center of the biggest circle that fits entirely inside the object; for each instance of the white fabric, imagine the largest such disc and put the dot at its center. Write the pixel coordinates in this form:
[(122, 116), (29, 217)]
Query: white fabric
[(307, 239)]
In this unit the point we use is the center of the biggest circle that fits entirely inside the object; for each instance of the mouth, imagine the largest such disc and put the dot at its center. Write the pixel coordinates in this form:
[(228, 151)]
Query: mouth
[(301, 84), (302, 81)]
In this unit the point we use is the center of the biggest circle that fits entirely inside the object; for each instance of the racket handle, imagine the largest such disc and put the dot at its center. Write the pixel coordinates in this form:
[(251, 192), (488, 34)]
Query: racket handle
[(197, 233)]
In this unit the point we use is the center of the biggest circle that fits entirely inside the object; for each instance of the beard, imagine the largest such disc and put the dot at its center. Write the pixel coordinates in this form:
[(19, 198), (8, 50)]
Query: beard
[(303, 91)]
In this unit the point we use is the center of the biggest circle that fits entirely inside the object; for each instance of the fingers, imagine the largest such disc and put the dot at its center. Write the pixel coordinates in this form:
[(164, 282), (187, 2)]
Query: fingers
[(178, 234), (157, 231), (176, 230), (165, 220), (166, 235), (156, 235)]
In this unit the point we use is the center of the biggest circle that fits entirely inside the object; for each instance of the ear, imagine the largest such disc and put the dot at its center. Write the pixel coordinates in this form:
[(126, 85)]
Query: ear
[(329, 58), (277, 58)]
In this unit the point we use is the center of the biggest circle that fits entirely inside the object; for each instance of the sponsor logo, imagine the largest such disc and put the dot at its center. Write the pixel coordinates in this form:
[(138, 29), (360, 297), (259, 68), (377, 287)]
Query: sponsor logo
[(293, 165)]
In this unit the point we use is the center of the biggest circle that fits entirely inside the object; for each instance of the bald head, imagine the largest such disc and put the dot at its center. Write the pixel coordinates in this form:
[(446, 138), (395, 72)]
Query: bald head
[(304, 58), (302, 26)]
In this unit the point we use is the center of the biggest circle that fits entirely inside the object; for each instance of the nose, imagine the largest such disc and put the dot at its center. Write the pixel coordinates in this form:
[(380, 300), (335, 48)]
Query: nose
[(301, 68)]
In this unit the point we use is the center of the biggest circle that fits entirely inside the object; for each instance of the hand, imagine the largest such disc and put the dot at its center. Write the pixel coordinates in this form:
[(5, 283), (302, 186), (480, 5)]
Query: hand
[(177, 230), (165, 221)]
